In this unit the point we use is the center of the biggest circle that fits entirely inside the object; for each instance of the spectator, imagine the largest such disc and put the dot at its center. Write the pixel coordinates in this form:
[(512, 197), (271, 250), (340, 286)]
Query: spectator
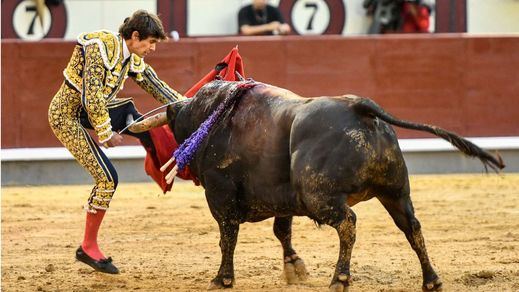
[(415, 17), (394, 16), (259, 18)]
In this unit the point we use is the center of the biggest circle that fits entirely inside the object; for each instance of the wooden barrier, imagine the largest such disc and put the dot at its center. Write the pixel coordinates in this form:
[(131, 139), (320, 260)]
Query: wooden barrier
[(467, 84)]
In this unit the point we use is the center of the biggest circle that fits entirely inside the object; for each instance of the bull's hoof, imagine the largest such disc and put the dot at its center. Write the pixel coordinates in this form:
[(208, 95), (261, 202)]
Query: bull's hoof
[(220, 283), (435, 285), (294, 270), (342, 284), (339, 287)]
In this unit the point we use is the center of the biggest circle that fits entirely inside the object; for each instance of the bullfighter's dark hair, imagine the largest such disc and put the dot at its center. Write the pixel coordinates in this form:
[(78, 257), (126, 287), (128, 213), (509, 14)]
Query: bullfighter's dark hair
[(145, 23)]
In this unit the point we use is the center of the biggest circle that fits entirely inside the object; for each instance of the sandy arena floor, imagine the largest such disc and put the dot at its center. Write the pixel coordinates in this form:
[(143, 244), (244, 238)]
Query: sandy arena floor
[(170, 242)]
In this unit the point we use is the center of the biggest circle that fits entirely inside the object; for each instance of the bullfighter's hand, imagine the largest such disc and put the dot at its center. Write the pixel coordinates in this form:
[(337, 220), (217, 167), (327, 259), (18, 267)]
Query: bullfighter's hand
[(116, 140)]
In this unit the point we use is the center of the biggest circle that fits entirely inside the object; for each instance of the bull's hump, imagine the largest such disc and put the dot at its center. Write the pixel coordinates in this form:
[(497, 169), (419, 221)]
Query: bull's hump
[(270, 90), (222, 86)]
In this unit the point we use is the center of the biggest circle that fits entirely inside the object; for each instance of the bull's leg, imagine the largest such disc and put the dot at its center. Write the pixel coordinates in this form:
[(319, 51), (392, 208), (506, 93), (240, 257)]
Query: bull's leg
[(346, 229), (402, 212), (294, 268), (228, 237)]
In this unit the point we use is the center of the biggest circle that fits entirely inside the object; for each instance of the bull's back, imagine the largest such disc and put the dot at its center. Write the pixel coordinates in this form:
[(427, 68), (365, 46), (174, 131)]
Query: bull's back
[(260, 130), (262, 121)]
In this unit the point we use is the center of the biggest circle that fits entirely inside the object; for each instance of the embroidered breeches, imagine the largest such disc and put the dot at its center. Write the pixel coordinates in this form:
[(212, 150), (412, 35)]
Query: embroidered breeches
[(65, 123)]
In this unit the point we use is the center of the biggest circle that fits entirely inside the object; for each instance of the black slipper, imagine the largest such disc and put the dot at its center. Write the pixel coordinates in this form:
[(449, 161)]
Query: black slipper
[(104, 265)]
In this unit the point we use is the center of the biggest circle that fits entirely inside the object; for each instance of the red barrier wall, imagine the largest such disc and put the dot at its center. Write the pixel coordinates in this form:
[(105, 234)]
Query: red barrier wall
[(466, 84)]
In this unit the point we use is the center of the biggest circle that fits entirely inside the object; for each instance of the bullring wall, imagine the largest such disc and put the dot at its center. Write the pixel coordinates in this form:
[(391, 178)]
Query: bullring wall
[(468, 84)]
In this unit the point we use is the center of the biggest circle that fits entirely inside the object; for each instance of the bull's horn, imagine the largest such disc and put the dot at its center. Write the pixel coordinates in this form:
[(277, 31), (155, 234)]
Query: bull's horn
[(149, 123)]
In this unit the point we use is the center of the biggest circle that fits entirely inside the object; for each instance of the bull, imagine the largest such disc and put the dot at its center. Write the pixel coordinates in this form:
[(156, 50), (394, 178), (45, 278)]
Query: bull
[(276, 154)]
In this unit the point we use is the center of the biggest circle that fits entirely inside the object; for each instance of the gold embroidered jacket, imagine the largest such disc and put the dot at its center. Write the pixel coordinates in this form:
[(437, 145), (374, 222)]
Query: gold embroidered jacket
[(96, 70)]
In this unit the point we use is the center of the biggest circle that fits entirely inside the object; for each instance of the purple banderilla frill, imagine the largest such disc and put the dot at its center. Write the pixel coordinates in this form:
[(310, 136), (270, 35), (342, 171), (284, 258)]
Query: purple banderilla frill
[(186, 151)]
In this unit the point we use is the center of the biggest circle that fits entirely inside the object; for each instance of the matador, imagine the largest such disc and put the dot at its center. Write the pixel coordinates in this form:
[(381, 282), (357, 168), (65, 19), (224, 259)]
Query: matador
[(100, 64)]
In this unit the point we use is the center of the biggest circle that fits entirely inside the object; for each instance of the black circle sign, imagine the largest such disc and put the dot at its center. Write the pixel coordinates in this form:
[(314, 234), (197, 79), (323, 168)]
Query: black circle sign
[(308, 17), (22, 21)]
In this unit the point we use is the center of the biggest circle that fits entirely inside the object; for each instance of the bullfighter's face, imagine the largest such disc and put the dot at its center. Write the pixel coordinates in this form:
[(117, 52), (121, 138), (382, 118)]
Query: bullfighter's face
[(141, 47)]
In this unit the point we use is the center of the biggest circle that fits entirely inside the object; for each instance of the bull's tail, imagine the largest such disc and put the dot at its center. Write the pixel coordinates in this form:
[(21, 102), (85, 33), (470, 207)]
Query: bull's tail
[(369, 107)]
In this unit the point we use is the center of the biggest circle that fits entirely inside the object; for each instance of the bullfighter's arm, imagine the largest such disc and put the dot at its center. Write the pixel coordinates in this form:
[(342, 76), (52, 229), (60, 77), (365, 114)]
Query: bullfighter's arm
[(150, 82), (93, 99)]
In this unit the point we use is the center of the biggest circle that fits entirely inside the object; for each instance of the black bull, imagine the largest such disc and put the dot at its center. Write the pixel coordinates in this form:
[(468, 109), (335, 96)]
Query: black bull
[(276, 154)]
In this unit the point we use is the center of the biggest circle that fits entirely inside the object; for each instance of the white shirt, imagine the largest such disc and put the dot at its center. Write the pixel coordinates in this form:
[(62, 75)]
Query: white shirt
[(126, 51)]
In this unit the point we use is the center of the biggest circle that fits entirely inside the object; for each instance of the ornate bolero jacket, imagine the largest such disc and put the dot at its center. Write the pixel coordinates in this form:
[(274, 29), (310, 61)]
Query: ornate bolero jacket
[(97, 71)]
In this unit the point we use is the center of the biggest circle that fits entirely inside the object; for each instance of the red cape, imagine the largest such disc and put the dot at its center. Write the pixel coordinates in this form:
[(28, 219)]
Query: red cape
[(164, 140)]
